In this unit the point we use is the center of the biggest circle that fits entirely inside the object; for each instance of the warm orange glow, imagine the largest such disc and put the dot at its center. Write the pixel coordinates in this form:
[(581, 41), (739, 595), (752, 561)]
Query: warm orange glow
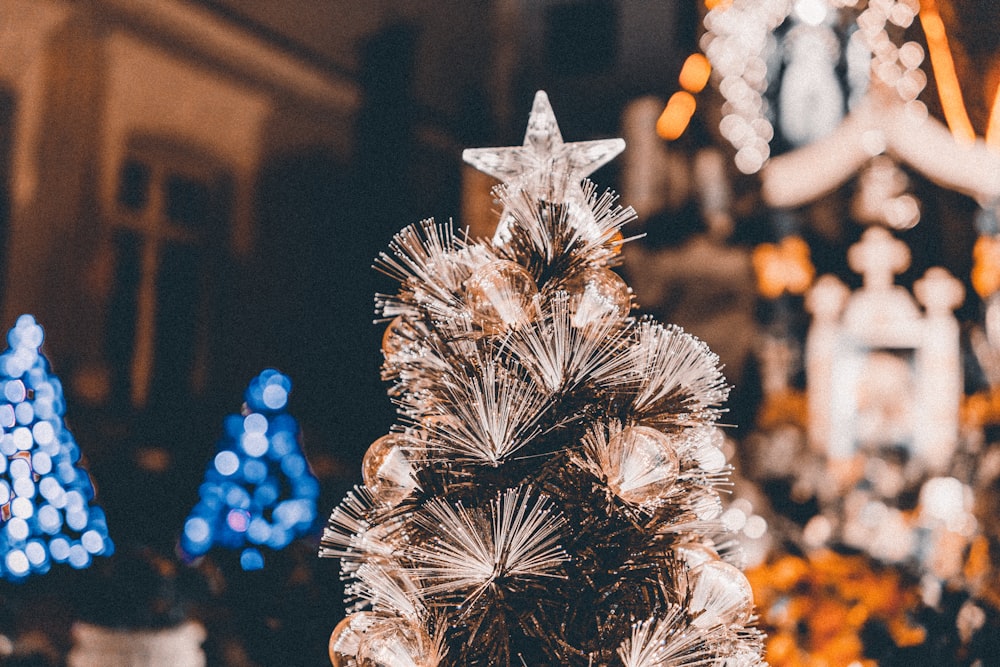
[(993, 128), (944, 74), (695, 72), (783, 267), (676, 115), (814, 608), (712, 4), (985, 273)]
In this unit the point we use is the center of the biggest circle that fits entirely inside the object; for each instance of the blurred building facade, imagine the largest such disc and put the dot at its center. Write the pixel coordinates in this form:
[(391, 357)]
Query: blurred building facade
[(134, 135), (191, 190)]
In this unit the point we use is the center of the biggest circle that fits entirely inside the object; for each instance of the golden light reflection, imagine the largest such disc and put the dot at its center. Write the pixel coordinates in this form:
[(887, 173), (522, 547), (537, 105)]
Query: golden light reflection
[(943, 65), (993, 127), (986, 265), (783, 267), (694, 73), (676, 115)]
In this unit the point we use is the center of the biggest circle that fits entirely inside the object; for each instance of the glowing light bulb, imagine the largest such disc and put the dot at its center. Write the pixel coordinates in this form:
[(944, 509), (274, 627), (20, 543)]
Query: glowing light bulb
[(17, 562), (36, 553), (811, 12), (676, 115), (78, 556), (251, 559), (275, 396), (254, 444), (14, 391), (226, 462), (255, 423)]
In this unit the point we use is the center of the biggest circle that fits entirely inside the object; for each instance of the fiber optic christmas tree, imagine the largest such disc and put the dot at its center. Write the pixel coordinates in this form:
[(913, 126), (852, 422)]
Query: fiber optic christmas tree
[(47, 509), (258, 492), (549, 496)]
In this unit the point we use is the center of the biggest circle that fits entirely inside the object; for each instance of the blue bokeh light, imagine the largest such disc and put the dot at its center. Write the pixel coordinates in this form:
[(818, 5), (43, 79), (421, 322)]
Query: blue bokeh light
[(251, 559), (36, 552), (227, 462), (59, 548), (274, 397), (24, 488), (44, 495), (258, 489), (17, 562), (79, 557)]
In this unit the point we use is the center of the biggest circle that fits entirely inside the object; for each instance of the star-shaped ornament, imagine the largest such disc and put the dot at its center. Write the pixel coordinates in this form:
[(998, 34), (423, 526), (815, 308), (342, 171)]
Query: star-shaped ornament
[(544, 159)]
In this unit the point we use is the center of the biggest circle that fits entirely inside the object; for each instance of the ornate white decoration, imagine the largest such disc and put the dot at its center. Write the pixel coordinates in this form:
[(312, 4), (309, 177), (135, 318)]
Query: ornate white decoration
[(740, 43), (880, 371)]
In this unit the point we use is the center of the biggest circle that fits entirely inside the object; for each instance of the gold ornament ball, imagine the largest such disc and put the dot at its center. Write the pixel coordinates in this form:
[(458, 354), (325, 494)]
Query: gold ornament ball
[(345, 638), (597, 294), (396, 643), (695, 553), (386, 470), (397, 334), (721, 592), (644, 464), (499, 294)]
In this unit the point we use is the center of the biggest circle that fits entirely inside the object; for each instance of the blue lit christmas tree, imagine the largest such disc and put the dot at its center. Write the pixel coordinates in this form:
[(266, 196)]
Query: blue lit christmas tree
[(258, 492), (46, 496)]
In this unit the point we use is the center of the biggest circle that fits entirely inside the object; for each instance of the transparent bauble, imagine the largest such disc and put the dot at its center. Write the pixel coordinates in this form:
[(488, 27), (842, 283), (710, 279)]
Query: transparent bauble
[(643, 464), (387, 471), (346, 637), (740, 656), (695, 553), (396, 642), (721, 593), (499, 294), (398, 334), (597, 294)]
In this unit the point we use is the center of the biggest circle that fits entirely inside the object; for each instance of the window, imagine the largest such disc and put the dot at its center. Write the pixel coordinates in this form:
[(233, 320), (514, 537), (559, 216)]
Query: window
[(170, 222)]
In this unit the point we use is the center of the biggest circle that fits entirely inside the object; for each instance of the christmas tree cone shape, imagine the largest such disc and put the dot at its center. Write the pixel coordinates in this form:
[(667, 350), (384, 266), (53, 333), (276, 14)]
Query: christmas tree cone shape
[(549, 495), (47, 503), (258, 493)]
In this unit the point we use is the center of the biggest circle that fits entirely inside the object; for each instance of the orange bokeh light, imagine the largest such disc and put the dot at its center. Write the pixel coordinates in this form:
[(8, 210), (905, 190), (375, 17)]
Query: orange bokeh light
[(676, 115), (944, 73), (694, 73)]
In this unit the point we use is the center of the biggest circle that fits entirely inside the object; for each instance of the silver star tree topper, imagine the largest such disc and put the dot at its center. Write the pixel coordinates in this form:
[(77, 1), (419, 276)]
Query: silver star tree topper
[(544, 165), (543, 153)]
